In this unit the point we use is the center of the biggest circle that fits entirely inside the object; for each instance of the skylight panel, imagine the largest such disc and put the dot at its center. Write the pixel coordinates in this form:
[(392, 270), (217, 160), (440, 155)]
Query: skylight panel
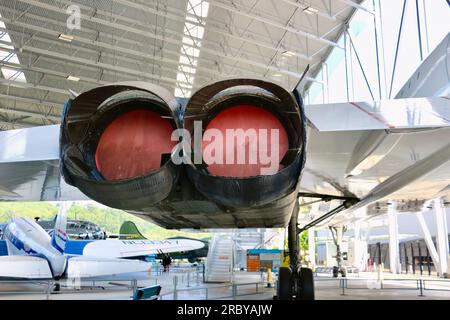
[(191, 61), (186, 69), (193, 33), (13, 74)]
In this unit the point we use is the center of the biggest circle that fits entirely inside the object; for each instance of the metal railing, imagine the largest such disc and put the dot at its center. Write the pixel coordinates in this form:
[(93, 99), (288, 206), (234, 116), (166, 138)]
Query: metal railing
[(45, 288), (387, 284), (207, 290), (65, 286)]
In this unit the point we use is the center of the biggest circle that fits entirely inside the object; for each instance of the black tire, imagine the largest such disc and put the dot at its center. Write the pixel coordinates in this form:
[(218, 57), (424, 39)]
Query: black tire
[(306, 285), (56, 288), (335, 272), (284, 284)]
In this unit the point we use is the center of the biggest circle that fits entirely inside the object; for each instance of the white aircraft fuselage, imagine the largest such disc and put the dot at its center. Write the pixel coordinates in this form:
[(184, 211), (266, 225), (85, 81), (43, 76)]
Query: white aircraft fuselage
[(25, 237), (34, 254)]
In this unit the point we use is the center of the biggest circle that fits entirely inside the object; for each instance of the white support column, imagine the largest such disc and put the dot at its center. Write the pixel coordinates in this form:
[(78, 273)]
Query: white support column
[(312, 247), (427, 235), (357, 254), (440, 219), (393, 239), (339, 235), (360, 252)]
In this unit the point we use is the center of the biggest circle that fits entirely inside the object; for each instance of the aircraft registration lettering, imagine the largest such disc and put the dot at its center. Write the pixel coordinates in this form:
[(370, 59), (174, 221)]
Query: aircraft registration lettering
[(143, 242)]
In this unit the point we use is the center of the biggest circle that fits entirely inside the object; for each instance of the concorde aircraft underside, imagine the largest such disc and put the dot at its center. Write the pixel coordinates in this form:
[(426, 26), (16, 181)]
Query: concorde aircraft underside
[(368, 152)]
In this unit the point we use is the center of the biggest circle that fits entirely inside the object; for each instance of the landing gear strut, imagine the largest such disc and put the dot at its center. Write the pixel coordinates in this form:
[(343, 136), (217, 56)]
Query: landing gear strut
[(294, 282), (337, 233)]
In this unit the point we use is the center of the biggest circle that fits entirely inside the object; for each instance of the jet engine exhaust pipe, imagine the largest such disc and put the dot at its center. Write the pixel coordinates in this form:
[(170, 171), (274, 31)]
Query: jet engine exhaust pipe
[(250, 116), (120, 146), (115, 144)]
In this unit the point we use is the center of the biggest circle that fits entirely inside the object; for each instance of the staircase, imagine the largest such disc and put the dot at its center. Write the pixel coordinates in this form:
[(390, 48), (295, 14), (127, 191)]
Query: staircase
[(219, 265), (249, 238), (244, 240)]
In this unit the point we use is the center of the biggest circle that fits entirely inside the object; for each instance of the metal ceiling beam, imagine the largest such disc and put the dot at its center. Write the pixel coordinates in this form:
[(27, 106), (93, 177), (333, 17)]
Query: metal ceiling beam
[(211, 27), (356, 6), (239, 59), (211, 51), (90, 81), (71, 59), (15, 125), (33, 100), (267, 21), (303, 5), (315, 71), (135, 72), (28, 85), (26, 113), (212, 24), (138, 54)]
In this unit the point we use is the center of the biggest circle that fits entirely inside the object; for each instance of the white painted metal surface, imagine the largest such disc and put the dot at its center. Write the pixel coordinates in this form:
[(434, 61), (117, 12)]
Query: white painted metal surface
[(135, 248), (360, 255), (427, 235), (441, 235), (24, 267), (433, 76), (412, 113), (372, 147), (394, 256), (85, 267), (30, 144)]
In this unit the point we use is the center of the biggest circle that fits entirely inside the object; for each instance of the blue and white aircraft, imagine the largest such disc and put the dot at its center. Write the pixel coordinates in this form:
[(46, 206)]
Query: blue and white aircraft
[(32, 254)]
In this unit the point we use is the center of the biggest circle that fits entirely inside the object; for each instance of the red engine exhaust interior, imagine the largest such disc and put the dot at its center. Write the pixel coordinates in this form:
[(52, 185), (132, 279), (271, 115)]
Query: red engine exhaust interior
[(132, 145), (245, 117)]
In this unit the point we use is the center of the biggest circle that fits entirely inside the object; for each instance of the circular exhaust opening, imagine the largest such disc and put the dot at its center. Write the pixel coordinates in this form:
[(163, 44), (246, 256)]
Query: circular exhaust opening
[(133, 144), (253, 141)]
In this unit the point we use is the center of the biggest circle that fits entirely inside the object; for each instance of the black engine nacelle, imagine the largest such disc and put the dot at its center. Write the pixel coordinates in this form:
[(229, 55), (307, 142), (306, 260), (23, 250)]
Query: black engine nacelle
[(118, 142), (115, 144)]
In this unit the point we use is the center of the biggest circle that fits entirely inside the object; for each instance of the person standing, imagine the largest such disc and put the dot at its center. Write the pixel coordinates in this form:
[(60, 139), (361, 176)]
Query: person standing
[(166, 261)]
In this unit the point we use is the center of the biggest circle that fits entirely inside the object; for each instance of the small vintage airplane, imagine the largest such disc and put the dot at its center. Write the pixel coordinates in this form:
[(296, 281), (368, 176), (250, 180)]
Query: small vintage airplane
[(33, 254), (129, 230)]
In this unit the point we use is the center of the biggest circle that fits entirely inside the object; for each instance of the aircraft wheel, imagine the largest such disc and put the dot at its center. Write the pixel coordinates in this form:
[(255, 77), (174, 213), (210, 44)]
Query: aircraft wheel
[(284, 284), (56, 288), (305, 285), (335, 272)]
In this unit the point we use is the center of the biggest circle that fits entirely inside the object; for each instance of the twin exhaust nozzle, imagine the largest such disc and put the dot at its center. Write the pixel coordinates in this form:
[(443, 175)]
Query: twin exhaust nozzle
[(132, 145)]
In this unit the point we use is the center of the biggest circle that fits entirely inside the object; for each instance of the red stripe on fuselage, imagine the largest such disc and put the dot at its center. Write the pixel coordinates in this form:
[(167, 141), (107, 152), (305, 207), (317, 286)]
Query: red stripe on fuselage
[(373, 115)]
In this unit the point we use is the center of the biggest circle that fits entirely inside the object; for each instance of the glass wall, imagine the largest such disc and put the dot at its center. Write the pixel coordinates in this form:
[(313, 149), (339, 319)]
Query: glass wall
[(364, 69)]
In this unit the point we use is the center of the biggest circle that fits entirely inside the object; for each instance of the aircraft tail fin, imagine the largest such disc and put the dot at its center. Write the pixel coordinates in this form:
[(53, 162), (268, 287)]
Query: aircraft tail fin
[(59, 237), (129, 231)]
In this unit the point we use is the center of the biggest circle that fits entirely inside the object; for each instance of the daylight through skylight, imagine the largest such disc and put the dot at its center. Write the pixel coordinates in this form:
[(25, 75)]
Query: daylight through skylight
[(193, 32)]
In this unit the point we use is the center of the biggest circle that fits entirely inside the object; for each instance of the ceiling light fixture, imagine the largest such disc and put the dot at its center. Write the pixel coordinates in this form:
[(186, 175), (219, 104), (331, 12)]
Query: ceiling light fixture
[(72, 78), (310, 10), (65, 37), (288, 53)]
